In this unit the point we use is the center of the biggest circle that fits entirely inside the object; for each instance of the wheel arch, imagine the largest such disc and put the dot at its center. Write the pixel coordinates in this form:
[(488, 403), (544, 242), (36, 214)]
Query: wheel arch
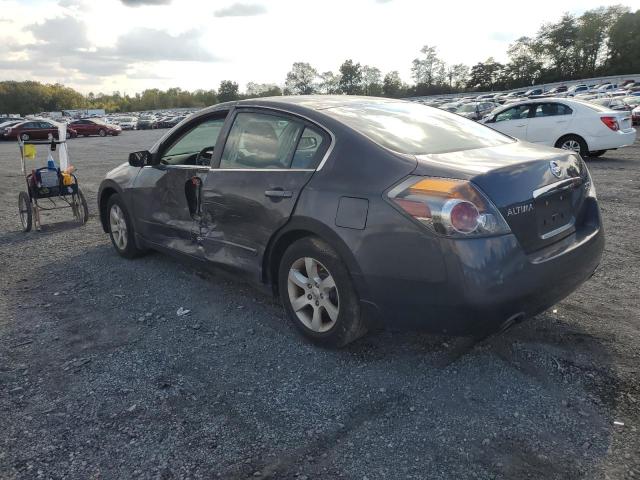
[(581, 137), (295, 229), (106, 191)]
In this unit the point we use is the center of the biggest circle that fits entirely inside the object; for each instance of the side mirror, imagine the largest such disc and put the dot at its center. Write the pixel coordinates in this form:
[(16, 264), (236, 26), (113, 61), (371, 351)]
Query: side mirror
[(140, 159)]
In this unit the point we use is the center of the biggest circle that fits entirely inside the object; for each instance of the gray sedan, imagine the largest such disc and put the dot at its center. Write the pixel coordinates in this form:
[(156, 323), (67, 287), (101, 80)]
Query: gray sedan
[(361, 211)]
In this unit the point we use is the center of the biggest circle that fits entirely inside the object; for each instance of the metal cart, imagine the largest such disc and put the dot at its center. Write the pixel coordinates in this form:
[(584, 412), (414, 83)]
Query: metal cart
[(48, 189)]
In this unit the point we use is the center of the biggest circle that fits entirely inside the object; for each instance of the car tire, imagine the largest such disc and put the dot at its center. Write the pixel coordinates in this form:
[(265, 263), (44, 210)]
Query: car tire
[(318, 295), (574, 143), (121, 228), (597, 153), (25, 137), (102, 132)]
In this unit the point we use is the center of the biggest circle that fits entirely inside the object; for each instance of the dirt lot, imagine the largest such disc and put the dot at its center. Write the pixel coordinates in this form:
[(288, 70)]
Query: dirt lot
[(99, 378)]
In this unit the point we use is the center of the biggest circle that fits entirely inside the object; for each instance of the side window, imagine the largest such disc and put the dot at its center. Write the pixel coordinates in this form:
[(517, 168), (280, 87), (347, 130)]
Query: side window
[(310, 146), (552, 110), (564, 110), (514, 113), (259, 140), (45, 125), (197, 143)]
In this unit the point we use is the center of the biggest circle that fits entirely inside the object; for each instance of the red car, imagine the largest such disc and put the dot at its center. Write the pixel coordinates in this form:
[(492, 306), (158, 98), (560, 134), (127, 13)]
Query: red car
[(88, 127), (35, 130)]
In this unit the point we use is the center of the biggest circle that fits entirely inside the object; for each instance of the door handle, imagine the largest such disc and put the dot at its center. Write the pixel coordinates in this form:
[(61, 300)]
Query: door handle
[(278, 193)]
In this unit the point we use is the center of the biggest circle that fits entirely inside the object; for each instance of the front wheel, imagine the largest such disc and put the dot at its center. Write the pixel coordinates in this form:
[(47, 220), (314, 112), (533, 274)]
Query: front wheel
[(102, 132), (318, 295), (25, 137), (573, 143), (121, 229)]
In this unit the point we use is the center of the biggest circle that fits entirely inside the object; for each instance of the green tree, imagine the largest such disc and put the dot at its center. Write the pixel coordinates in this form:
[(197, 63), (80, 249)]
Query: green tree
[(524, 66), (228, 91), (371, 81), (624, 45), (301, 80), (426, 68), (329, 83), (484, 75), (351, 78), (392, 85)]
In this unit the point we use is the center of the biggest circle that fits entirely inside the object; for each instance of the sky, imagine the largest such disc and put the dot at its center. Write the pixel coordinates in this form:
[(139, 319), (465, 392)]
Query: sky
[(130, 45)]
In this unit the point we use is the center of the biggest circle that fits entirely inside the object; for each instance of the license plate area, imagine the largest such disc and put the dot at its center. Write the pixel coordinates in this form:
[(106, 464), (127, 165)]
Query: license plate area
[(555, 214)]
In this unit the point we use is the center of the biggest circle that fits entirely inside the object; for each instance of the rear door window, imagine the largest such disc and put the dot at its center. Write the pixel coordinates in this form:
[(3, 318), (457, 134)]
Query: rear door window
[(311, 147), (551, 110), (259, 140)]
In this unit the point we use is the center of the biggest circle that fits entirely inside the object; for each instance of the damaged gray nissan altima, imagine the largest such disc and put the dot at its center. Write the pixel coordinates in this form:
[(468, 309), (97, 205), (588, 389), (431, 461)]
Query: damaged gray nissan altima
[(359, 211)]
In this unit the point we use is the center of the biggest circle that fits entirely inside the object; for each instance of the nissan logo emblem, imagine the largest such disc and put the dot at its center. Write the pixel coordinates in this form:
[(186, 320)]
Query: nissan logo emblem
[(555, 169)]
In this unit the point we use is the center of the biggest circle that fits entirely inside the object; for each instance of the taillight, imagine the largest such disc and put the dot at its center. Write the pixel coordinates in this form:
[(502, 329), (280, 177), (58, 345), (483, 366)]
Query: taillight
[(611, 122), (451, 207)]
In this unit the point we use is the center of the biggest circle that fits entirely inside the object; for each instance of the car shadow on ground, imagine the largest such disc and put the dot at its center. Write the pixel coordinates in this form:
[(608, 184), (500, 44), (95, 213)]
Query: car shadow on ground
[(231, 388)]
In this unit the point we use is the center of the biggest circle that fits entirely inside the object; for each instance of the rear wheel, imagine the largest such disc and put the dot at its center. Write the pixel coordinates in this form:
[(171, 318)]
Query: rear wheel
[(574, 143), (597, 153), (121, 229), (26, 211), (318, 294), (81, 208)]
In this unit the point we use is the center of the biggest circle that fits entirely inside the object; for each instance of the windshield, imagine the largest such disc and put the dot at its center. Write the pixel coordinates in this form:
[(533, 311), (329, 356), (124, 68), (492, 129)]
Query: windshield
[(416, 129), (468, 107)]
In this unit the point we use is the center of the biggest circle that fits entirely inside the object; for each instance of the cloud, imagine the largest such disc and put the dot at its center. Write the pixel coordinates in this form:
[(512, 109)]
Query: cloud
[(62, 47), (147, 44), (241, 10), (61, 32), (139, 3)]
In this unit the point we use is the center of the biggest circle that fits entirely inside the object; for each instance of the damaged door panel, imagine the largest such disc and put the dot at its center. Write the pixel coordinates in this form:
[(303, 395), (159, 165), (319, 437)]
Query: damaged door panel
[(168, 200), (267, 160)]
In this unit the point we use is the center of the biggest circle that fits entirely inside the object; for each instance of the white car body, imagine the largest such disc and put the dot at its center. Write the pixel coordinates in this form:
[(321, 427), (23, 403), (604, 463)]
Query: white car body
[(547, 120), (635, 113), (128, 124)]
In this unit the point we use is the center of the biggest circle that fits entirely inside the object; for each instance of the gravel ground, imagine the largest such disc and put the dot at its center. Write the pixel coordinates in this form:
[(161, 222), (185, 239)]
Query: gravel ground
[(99, 378)]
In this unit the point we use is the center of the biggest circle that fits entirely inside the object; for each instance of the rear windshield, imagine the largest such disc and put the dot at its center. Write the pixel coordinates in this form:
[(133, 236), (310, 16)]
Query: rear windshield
[(416, 129), (593, 106)]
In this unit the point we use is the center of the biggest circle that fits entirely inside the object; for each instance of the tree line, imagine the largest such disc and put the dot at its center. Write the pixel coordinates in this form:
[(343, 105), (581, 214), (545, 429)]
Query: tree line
[(599, 42)]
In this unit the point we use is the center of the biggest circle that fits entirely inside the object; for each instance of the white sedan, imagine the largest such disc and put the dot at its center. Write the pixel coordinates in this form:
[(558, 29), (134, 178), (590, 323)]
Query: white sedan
[(583, 127)]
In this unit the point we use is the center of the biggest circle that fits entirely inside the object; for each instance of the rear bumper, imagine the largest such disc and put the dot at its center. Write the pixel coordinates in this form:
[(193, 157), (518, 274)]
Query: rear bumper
[(618, 139), (490, 280)]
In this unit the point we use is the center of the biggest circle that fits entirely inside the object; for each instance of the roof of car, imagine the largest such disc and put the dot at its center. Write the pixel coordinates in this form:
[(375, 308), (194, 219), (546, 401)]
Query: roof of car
[(314, 102)]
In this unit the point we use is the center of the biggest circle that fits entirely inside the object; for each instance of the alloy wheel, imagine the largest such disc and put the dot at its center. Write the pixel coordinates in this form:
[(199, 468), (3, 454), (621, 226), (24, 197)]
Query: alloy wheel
[(573, 145), (313, 294), (118, 227)]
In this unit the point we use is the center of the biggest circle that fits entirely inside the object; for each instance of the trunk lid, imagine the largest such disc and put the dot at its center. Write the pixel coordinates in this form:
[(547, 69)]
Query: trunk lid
[(540, 191)]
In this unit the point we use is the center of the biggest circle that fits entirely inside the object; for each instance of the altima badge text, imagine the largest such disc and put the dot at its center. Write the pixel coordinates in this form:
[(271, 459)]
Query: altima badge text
[(526, 208)]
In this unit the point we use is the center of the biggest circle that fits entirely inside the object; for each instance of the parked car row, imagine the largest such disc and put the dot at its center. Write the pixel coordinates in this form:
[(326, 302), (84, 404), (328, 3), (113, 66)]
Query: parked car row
[(148, 121)]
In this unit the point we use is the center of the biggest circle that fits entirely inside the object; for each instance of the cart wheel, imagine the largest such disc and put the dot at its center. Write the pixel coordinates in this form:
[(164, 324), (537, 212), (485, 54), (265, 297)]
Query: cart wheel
[(26, 211), (81, 209)]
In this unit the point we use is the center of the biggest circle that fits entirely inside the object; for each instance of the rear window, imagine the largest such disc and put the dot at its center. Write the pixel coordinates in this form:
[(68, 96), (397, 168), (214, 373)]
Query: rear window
[(416, 129)]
